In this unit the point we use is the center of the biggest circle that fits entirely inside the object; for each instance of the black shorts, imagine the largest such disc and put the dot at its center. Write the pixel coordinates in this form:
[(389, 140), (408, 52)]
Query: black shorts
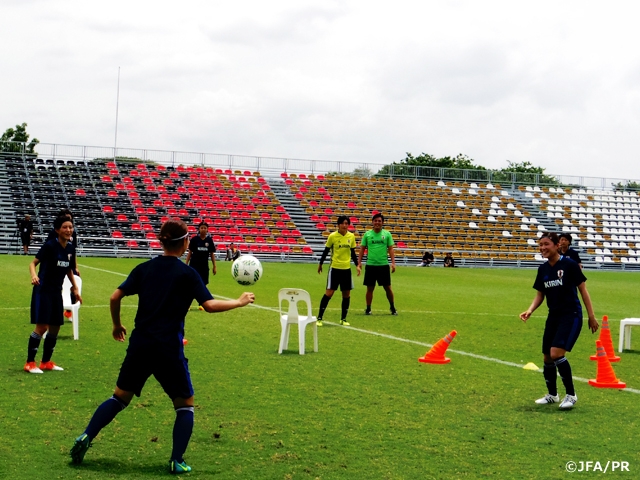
[(171, 370), (26, 240), (377, 273), (46, 306), (338, 277), (203, 271), (561, 331)]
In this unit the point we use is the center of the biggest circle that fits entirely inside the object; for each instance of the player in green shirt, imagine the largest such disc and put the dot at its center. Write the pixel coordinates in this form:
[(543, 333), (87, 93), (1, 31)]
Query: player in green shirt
[(342, 245), (379, 243)]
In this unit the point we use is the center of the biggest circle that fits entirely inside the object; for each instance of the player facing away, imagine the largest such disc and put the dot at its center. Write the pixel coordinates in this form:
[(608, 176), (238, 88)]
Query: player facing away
[(57, 260), (379, 244), (342, 245), (165, 287), (201, 247), (559, 279)]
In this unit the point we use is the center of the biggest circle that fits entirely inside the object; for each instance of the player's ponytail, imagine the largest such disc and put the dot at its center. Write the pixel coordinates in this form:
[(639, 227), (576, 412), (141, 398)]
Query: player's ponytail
[(172, 232)]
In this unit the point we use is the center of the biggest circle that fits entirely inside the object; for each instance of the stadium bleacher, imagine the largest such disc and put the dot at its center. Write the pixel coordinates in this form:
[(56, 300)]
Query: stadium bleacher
[(119, 207)]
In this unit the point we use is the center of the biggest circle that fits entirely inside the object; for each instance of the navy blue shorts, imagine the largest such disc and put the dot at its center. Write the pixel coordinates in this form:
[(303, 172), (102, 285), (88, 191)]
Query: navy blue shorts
[(338, 277), (170, 369), (203, 271), (561, 331), (377, 273), (46, 306)]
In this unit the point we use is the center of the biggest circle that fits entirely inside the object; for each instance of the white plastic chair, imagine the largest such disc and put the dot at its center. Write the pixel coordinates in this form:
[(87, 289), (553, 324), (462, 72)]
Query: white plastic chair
[(625, 332), (293, 296), (73, 307)]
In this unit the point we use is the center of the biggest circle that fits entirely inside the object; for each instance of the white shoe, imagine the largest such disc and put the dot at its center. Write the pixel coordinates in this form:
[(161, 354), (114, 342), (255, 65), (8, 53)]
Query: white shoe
[(548, 398), (568, 402)]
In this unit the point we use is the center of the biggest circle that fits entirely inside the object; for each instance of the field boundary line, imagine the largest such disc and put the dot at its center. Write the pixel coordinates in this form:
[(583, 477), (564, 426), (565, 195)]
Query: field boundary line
[(398, 339)]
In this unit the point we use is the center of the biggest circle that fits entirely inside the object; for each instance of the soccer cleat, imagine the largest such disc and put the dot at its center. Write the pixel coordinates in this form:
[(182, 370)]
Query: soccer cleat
[(394, 312), (367, 312), (176, 467), (80, 447), (319, 323), (345, 323), (31, 367), (568, 402), (548, 398), (50, 366)]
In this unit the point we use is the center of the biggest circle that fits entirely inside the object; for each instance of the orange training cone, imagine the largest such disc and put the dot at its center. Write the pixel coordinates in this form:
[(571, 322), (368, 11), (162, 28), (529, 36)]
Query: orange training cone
[(436, 354), (605, 376), (605, 338)]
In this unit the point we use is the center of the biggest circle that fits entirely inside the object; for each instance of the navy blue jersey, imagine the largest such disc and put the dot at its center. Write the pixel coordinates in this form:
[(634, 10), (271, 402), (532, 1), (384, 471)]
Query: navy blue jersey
[(55, 262), (201, 250), (559, 285), (572, 254), (165, 287)]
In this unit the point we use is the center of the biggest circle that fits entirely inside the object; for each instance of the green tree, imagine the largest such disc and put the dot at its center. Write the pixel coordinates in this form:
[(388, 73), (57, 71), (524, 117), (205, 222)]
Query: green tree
[(627, 185), (523, 172), (425, 165), (12, 137)]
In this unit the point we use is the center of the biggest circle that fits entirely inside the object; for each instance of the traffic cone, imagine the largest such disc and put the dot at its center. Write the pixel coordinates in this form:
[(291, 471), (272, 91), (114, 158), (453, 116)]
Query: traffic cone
[(605, 338), (436, 354), (605, 376)]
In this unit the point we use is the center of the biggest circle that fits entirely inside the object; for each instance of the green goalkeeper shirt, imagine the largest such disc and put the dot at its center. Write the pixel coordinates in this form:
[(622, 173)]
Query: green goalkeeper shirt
[(377, 245)]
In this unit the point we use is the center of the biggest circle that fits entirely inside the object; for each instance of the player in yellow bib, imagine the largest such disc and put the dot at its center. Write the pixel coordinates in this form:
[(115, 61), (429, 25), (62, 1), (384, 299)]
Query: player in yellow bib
[(342, 245)]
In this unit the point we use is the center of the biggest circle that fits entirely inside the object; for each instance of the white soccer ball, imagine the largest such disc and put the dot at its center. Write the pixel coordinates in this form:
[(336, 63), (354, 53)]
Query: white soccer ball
[(246, 270)]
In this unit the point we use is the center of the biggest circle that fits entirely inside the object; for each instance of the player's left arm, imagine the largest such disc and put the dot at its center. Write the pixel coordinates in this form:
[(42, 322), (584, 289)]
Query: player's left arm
[(213, 259), (584, 293), (356, 260), (392, 255), (119, 331), (74, 287)]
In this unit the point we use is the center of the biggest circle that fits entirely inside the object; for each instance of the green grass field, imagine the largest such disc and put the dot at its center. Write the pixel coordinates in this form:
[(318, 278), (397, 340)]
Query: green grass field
[(363, 407)]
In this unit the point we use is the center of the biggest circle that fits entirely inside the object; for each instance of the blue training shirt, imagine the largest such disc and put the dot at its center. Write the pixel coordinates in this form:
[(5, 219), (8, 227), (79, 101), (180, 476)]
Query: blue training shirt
[(559, 284), (55, 262), (165, 287)]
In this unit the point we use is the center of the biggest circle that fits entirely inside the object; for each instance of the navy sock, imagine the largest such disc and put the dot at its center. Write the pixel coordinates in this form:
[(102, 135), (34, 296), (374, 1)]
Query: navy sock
[(323, 305), (103, 415), (550, 377), (48, 347), (345, 307), (182, 429), (392, 306), (564, 369), (34, 344)]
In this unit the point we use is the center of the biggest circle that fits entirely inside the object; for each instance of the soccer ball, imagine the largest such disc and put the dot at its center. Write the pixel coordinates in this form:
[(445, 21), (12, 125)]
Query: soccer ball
[(246, 270)]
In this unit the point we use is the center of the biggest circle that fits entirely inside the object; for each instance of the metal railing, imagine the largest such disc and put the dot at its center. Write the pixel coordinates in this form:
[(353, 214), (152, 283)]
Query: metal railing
[(273, 166)]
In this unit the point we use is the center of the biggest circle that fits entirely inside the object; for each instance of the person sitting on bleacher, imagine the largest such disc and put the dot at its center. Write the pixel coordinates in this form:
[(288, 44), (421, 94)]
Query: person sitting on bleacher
[(449, 261), (427, 259), (232, 252)]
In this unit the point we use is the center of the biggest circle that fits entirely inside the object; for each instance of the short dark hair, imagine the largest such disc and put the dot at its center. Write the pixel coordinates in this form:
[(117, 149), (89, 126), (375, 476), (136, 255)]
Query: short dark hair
[(171, 232), (57, 223), (343, 218), (567, 236), (377, 215), (553, 236), (65, 212), (203, 223)]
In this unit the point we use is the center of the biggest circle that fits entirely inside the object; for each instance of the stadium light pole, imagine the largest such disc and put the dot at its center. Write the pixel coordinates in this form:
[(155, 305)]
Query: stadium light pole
[(115, 143)]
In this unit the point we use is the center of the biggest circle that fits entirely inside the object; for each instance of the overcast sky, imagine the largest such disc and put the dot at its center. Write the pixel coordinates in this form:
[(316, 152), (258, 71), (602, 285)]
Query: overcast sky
[(553, 83)]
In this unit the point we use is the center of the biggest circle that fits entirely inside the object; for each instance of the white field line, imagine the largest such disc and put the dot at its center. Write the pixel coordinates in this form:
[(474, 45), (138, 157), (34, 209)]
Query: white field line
[(398, 339)]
